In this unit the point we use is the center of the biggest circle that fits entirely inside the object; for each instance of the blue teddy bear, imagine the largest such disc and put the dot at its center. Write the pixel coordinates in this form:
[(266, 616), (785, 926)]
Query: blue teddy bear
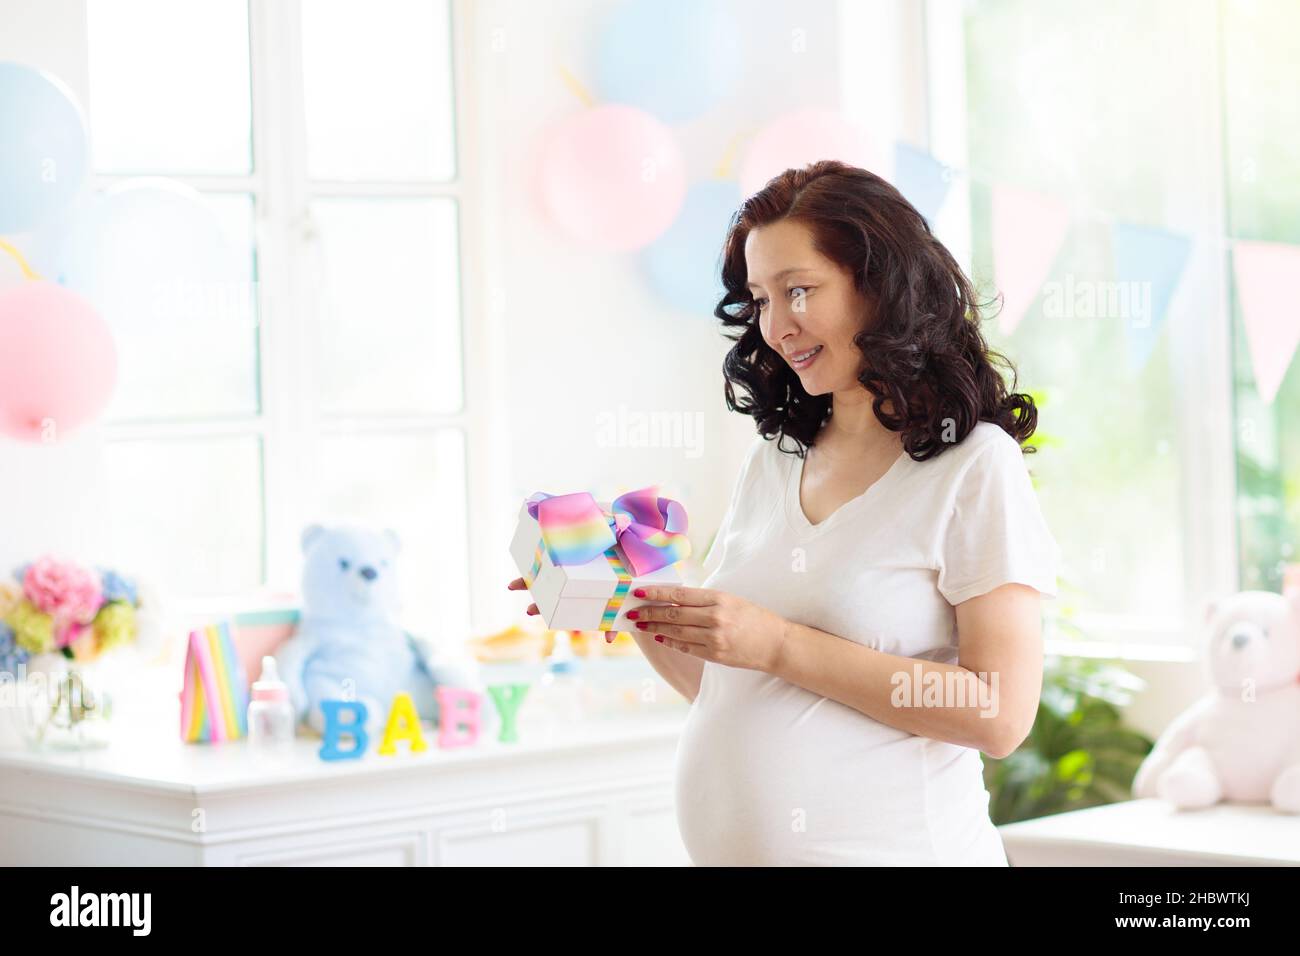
[(348, 645)]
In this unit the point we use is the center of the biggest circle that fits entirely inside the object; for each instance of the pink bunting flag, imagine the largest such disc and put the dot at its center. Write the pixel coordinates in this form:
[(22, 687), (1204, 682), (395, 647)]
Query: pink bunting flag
[(1266, 273), (1028, 229)]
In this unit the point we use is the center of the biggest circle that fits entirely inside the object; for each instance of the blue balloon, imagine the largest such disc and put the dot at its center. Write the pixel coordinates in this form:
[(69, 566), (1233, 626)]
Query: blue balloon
[(672, 58), (147, 251), (43, 148), (684, 265)]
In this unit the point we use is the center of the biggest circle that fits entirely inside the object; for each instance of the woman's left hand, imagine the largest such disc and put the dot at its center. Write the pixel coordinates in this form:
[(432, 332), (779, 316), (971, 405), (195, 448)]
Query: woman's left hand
[(713, 625)]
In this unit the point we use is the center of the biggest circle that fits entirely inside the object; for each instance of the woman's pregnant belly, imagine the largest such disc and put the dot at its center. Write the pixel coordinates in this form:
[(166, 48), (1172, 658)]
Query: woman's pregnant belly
[(770, 774)]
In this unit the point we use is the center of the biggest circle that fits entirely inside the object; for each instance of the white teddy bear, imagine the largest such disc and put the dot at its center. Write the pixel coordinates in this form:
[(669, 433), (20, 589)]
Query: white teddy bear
[(1240, 743)]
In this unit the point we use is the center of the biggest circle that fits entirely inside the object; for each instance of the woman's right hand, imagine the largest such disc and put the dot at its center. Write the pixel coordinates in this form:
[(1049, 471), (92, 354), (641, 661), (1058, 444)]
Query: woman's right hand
[(518, 585)]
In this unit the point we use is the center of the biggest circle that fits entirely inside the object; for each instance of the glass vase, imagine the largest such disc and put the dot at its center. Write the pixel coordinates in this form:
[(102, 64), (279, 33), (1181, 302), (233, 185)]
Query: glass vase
[(67, 707)]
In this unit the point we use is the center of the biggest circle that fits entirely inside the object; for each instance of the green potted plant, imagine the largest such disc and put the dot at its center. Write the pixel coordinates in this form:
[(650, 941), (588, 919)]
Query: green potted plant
[(1078, 753)]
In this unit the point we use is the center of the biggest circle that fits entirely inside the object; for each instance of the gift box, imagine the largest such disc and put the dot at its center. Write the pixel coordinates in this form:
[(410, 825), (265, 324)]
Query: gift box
[(582, 558)]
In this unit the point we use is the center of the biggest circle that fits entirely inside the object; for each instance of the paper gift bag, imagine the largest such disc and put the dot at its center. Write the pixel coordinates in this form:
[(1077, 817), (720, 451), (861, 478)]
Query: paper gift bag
[(214, 698), (261, 632), (581, 558)]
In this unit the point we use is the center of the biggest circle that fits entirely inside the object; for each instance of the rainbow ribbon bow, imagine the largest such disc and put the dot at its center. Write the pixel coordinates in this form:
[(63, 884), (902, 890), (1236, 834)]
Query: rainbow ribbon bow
[(575, 529)]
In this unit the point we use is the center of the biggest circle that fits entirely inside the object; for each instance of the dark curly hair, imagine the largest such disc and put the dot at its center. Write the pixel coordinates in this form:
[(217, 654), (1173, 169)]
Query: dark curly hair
[(924, 353)]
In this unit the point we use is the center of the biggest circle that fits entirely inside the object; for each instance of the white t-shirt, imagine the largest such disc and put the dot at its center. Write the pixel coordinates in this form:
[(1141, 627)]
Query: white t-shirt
[(769, 773)]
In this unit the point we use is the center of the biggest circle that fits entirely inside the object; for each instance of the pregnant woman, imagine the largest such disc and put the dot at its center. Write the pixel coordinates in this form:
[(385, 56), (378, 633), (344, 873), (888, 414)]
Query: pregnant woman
[(871, 617)]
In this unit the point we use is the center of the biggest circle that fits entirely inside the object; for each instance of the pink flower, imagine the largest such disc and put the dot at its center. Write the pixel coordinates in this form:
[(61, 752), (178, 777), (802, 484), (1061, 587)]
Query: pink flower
[(70, 632), (65, 590)]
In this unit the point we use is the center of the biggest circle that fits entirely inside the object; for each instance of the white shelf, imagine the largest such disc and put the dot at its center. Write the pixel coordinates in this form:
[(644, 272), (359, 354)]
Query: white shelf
[(1154, 833), (594, 793), (163, 762)]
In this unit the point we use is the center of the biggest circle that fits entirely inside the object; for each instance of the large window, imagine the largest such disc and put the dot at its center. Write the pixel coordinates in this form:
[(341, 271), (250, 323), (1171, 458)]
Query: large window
[(1261, 57), (322, 139), (1155, 134)]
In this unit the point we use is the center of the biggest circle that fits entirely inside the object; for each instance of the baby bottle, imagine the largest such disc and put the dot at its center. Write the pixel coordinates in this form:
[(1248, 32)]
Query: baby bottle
[(270, 713)]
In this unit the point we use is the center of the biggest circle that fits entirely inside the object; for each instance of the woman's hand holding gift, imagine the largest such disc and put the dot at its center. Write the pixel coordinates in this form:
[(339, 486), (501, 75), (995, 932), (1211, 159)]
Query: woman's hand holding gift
[(712, 625), (705, 623)]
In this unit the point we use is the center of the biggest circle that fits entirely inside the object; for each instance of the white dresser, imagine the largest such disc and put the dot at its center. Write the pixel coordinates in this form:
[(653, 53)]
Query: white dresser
[(596, 794)]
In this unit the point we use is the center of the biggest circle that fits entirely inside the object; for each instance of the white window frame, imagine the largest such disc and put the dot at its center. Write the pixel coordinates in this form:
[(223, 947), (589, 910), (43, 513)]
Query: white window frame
[(1205, 397), (288, 422)]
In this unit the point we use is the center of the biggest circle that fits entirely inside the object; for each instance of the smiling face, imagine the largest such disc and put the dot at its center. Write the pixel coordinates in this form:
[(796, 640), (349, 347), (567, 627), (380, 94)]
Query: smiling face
[(809, 307)]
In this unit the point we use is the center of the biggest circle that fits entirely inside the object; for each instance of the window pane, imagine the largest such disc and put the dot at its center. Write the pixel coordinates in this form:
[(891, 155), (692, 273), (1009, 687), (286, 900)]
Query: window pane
[(1042, 84), (169, 86), (1262, 56), (414, 484), (389, 329), (187, 346), (188, 513), (378, 85)]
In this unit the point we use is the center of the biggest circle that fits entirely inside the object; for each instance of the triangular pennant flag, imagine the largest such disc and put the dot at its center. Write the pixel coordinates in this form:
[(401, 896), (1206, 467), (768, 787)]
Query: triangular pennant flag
[(921, 178), (1266, 273), (1028, 229), (214, 697), (1148, 266)]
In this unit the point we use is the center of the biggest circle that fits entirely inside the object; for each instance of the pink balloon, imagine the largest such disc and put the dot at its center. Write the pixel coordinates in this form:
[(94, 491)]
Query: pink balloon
[(58, 364), (806, 136), (612, 176)]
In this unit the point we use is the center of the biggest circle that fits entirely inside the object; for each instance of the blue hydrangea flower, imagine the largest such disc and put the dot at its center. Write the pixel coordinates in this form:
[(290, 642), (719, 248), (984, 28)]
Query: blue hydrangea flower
[(117, 588), (11, 655)]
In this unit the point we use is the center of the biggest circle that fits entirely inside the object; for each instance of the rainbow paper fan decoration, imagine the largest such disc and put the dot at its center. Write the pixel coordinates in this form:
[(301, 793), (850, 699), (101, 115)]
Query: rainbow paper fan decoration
[(214, 700)]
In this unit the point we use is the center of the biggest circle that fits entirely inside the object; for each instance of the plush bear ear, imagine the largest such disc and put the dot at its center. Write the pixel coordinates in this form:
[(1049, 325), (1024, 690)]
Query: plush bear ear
[(1291, 578), (394, 541), (1292, 594), (310, 534), (1211, 607)]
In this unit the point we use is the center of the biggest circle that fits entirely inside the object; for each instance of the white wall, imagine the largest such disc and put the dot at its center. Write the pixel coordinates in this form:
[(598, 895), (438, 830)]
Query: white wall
[(49, 34)]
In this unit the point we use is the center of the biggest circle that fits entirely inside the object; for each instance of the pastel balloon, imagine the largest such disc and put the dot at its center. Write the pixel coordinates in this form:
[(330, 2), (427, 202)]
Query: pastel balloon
[(58, 365), (675, 59), (806, 136), (139, 249), (43, 148), (612, 177), (684, 265)]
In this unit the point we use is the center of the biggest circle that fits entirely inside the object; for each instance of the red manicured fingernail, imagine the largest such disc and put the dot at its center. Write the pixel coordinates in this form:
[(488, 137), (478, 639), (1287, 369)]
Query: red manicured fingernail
[(633, 615), (659, 638), (642, 625), (639, 592)]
